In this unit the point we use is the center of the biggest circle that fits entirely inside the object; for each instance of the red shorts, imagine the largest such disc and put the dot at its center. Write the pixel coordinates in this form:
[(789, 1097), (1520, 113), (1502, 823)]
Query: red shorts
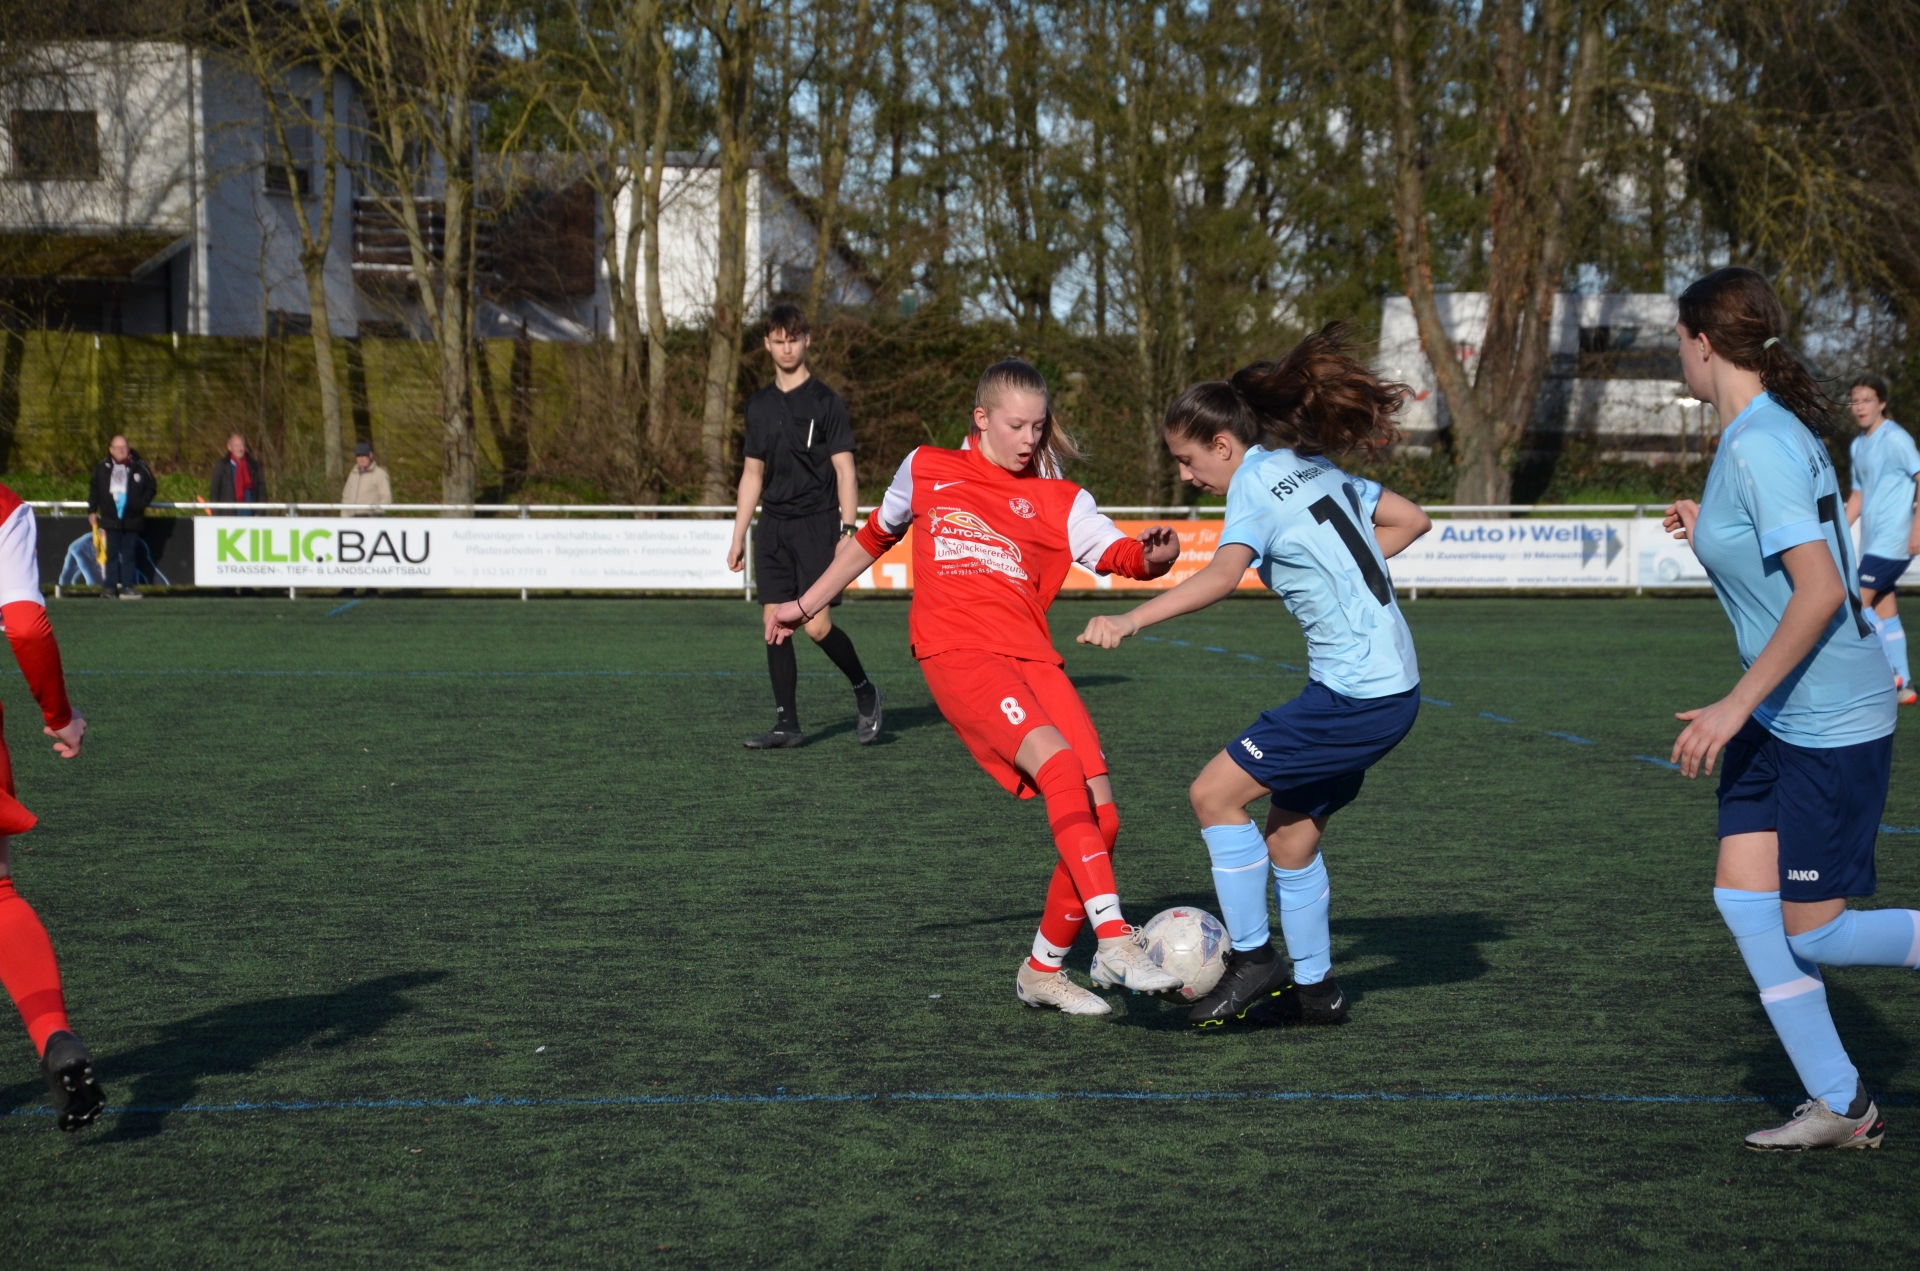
[(994, 701)]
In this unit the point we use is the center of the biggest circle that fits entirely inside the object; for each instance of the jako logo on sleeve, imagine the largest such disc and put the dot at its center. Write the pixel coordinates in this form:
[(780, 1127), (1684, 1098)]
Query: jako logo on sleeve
[(1803, 875), (1246, 744)]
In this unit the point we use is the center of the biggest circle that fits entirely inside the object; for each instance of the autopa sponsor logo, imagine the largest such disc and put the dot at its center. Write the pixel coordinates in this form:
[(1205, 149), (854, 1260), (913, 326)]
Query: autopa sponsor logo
[(962, 535), (253, 546)]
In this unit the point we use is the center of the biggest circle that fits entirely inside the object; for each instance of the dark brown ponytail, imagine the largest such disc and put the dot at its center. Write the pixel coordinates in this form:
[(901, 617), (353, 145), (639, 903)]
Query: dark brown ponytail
[(1317, 399), (1738, 312)]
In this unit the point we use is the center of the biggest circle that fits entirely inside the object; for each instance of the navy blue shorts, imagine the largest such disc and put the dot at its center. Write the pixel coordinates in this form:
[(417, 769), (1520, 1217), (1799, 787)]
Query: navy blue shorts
[(1825, 804), (1879, 573), (1314, 752)]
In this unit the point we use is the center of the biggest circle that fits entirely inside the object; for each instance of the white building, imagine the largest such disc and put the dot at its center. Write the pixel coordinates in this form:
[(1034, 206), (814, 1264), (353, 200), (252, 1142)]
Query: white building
[(145, 195), (781, 240), (1613, 375)]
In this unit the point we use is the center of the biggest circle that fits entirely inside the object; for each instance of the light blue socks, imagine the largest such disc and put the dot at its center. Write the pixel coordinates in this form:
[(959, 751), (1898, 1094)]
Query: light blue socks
[(1304, 898), (1240, 881), (1864, 937), (1893, 638), (1792, 993)]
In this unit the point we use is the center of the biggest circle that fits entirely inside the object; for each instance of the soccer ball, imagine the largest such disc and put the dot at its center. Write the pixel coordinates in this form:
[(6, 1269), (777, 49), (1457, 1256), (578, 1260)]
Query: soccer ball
[(1190, 943)]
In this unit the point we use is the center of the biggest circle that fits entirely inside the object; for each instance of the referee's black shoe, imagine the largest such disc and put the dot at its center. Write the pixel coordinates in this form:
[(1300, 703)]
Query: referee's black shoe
[(867, 729), (1252, 977), (77, 1097), (783, 737)]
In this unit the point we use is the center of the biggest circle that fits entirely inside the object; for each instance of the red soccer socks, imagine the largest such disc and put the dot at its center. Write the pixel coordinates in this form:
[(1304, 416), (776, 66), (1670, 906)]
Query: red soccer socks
[(28, 969), (1084, 852), (1061, 920)]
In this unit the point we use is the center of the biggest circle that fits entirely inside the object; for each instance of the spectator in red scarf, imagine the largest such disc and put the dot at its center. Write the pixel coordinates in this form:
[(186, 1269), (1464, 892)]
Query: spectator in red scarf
[(236, 478)]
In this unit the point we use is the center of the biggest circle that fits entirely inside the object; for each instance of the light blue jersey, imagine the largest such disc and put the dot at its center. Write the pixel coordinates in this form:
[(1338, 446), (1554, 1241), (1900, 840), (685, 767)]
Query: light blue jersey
[(1885, 463), (1310, 526), (1772, 487)]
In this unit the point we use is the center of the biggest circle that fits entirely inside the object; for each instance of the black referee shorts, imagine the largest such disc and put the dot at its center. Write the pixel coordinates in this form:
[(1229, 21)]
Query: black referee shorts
[(791, 552)]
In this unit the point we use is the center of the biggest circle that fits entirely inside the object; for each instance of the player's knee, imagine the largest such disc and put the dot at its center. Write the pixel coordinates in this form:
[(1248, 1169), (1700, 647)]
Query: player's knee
[(1831, 943)]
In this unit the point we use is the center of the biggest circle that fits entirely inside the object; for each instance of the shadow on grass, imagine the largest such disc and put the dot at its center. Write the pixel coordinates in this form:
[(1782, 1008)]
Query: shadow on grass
[(1878, 1050), (1421, 950), (152, 1080)]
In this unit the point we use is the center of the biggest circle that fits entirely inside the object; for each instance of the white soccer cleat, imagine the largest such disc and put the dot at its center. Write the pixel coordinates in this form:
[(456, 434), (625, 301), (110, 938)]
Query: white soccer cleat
[(1816, 1125), (1053, 988), (1122, 963)]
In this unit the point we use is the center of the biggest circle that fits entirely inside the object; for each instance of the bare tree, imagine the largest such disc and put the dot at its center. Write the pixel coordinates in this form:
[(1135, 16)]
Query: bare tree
[(425, 68), (733, 26), (1544, 63), (296, 62), (837, 88)]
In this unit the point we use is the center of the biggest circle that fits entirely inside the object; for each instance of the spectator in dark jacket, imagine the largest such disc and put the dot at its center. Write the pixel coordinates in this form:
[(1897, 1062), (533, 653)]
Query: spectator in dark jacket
[(236, 478), (117, 502)]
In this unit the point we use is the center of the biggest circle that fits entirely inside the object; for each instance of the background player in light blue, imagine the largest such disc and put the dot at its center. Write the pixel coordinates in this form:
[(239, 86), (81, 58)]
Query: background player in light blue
[(1321, 539), (1807, 729), (1885, 466)]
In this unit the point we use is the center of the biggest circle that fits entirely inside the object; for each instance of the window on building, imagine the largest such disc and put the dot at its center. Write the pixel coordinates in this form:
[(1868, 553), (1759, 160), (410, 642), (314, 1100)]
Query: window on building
[(55, 145), (290, 149), (1629, 353)]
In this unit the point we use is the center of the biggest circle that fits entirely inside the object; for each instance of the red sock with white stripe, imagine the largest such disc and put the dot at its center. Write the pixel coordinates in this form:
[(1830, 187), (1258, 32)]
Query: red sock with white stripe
[(1061, 920), (1084, 852), (28, 969)]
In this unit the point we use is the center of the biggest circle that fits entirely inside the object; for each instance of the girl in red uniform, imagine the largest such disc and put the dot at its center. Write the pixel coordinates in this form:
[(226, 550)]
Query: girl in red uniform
[(28, 970), (997, 530)]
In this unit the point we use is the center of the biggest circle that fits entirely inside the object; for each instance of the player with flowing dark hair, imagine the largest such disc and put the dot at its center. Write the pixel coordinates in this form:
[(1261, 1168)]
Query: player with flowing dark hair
[(996, 528), (1321, 539), (1807, 731)]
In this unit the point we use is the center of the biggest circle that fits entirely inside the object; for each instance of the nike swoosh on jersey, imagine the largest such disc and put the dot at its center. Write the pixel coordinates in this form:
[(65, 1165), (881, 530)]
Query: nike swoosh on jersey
[(941, 485), (1096, 856)]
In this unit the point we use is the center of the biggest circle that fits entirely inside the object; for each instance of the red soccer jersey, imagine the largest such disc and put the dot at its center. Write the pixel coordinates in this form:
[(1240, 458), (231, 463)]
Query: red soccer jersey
[(991, 550)]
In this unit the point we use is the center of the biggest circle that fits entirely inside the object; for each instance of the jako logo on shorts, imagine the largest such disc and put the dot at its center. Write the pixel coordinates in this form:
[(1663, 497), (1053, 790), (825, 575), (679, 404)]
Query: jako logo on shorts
[(1803, 875), (1246, 743)]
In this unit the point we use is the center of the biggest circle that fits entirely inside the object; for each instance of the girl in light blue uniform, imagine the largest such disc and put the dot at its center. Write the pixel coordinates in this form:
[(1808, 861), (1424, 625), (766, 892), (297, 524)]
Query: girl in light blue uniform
[(1321, 540), (1807, 730), (1883, 469)]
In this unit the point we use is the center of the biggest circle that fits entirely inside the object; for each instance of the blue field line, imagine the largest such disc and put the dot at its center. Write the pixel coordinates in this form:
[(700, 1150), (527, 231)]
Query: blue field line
[(340, 609), (1434, 701), (431, 675), (1900, 829), (1498, 719), (1251, 657), (1578, 741), (920, 1096), (1212, 648), (1661, 762)]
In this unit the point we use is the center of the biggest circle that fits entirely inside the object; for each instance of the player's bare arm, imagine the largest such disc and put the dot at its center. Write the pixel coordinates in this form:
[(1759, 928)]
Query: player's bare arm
[(847, 488), (1398, 523), (752, 476), (850, 560), (1818, 594), (1213, 584), (1913, 535), (1853, 507)]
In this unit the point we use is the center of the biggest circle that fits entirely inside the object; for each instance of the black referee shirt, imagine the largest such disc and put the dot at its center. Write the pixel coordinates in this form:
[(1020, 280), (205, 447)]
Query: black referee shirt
[(796, 435)]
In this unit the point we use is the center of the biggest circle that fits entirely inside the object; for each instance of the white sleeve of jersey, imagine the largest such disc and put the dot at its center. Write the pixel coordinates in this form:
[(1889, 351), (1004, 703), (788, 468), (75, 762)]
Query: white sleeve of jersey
[(1090, 532), (896, 508), (20, 558)]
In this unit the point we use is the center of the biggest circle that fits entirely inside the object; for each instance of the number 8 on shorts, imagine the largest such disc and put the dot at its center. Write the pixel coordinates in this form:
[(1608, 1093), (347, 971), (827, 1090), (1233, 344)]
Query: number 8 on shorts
[(1016, 714)]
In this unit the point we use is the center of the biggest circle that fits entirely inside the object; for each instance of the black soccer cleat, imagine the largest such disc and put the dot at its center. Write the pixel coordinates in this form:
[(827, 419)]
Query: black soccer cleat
[(1322, 1003), (78, 1099), (868, 703), (783, 737), (1251, 978)]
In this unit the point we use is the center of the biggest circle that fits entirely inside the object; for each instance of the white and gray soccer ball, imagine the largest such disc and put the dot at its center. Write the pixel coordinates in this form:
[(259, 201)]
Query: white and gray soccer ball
[(1190, 943)]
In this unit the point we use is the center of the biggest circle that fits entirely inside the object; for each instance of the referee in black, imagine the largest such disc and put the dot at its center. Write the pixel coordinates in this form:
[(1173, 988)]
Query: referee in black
[(799, 464)]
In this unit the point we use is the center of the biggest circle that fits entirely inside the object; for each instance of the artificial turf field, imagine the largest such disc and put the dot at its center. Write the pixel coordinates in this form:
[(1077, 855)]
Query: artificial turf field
[(326, 881)]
